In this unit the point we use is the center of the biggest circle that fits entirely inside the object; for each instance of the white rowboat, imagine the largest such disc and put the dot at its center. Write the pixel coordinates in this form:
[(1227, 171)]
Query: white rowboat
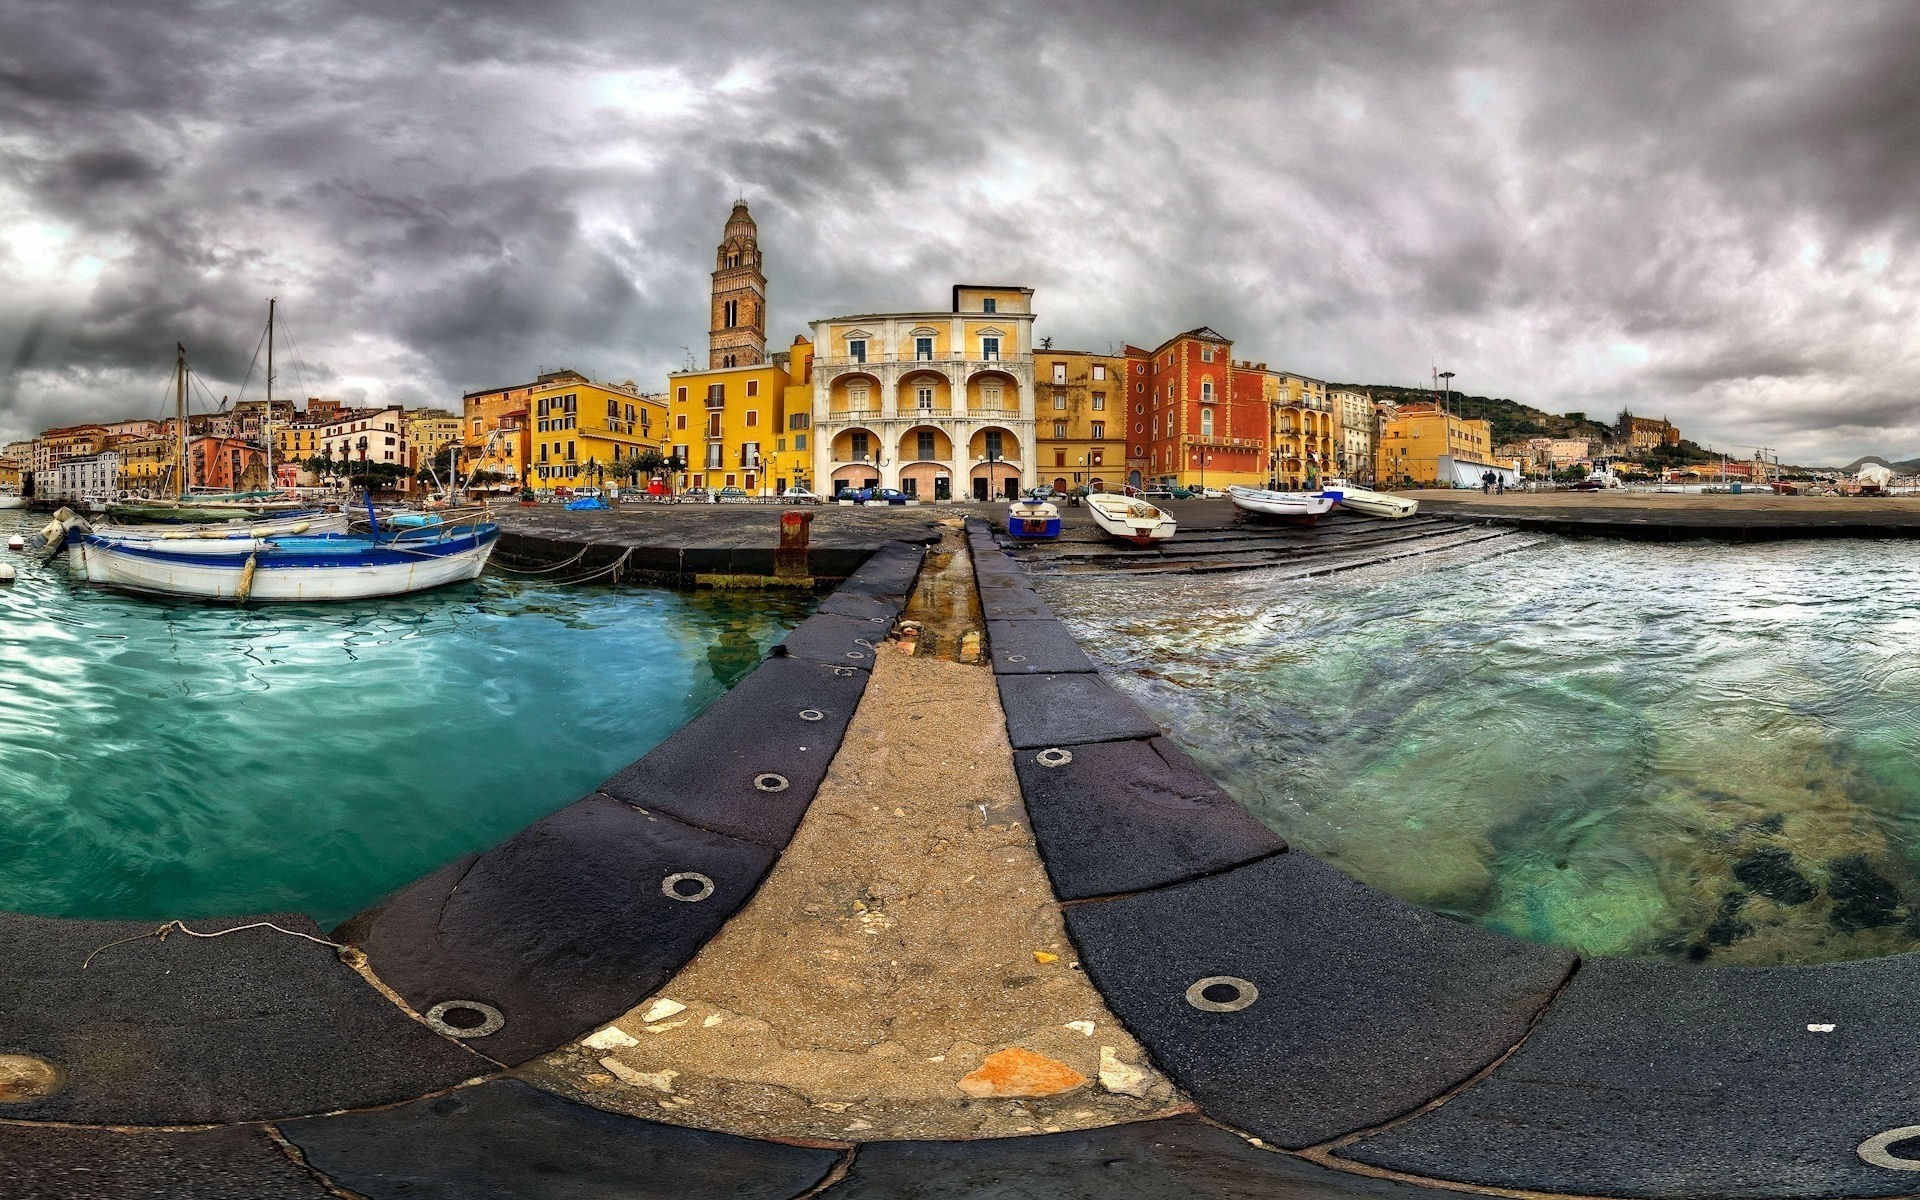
[(1129, 518), (1300, 508), (1378, 504)]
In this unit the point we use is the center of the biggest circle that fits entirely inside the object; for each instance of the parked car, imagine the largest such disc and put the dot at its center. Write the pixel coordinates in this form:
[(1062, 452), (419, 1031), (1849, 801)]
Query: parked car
[(1210, 493), (732, 495), (1180, 493), (694, 493), (799, 495), (891, 495), (857, 495)]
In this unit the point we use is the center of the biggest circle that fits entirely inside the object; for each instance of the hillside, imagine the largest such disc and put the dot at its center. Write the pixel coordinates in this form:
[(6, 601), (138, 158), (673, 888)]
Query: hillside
[(1511, 420), (1906, 466)]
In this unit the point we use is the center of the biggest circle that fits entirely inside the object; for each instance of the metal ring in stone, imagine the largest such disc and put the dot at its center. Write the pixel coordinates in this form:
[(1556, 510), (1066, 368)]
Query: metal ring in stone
[(1016, 658), (812, 714), (767, 781), (843, 672), (855, 654), (1054, 757), (1222, 993), (670, 887), (491, 1019), (1877, 1149)]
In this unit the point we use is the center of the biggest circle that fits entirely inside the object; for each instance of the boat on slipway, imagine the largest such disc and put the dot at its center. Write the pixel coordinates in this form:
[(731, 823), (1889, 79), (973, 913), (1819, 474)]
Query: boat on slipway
[(1377, 504), (10, 499), (293, 567), (1130, 518), (1298, 508), (1033, 519)]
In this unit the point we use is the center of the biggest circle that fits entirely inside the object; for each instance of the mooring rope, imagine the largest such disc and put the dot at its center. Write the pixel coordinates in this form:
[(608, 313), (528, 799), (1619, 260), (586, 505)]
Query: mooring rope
[(161, 932)]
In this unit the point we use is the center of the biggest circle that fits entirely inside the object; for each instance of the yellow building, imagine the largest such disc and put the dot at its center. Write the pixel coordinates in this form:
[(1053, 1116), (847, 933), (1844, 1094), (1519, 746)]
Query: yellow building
[(725, 424), (586, 432), (9, 475), (428, 432), (1306, 442), (1080, 419), (497, 433), (1421, 445), (146, 464)]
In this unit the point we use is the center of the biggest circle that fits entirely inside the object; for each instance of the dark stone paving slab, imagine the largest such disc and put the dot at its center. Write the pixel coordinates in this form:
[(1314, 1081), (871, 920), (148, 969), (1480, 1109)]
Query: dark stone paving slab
[(785, 718), (235, 1163), (1035, 648), (1659, 1079), (890, 572), (1014, 603), (507, 1141), (1065, 710), (836, 640), (564, 926), (1183, 1158), (1127, 816), (248, 1026), (1365, 1009), (862, 606)]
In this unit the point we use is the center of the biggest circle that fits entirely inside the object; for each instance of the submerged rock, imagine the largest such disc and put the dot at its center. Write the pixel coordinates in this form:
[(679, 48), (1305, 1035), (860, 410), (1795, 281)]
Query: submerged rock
[(1727, 927), (1862, 897), (1770, 871)]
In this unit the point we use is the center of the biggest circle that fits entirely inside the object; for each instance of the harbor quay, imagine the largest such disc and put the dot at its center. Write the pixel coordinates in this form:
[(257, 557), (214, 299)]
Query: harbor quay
[(925, 905)]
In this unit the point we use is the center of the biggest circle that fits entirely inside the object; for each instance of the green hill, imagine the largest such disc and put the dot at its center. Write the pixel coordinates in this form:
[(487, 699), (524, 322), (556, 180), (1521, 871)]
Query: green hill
[(1511, 420)]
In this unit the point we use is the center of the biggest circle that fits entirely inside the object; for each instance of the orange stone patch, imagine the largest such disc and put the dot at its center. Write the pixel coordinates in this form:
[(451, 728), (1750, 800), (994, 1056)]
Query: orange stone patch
[(1020, 1072)]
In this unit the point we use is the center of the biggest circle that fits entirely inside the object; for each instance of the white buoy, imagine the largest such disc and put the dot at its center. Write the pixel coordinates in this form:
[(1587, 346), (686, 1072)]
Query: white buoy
[(16, 542), (6, 572)]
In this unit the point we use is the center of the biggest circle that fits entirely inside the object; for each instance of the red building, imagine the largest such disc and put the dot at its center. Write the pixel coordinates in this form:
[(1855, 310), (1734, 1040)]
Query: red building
[(1206, 419)]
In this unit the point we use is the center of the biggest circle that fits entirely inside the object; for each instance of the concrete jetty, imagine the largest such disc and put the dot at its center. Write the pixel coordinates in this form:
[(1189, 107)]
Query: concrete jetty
[(923, 907)]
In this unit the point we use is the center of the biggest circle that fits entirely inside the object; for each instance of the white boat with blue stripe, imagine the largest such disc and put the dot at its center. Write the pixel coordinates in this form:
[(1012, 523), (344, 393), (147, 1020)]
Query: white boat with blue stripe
[(312, 567)]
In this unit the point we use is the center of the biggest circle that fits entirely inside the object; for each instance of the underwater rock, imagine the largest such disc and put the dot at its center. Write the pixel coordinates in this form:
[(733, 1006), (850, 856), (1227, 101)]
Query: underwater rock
[(1770, 871), (1862, 897), (1727, 927)]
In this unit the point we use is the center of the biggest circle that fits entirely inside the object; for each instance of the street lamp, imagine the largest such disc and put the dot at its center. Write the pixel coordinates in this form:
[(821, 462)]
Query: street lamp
[(1446, 380)]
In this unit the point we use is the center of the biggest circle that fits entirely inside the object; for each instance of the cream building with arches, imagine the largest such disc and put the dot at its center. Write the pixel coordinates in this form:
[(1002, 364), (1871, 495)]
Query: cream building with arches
[(937, 404)]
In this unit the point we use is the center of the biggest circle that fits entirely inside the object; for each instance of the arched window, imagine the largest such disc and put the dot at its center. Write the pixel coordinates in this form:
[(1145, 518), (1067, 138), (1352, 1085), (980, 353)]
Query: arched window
[(1206, 422), (1206, 391)]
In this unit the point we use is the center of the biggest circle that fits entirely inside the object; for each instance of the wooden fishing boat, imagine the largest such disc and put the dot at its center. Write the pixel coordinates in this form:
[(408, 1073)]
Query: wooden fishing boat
[(1298, 508), (293, 567), (1129, 518), (1378, 504), (1033, 520)]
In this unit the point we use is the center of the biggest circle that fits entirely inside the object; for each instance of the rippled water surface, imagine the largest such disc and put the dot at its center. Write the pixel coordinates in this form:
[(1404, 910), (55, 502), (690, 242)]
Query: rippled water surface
[(162, 759), (1704, 752)]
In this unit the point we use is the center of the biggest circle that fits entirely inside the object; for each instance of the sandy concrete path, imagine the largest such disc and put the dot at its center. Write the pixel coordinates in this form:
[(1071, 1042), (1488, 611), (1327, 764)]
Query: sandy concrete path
[(904, 971)]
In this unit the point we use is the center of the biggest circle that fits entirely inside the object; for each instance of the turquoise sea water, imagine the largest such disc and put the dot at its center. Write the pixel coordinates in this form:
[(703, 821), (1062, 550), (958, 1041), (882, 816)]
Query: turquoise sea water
[(171, 759), (1702, 752)]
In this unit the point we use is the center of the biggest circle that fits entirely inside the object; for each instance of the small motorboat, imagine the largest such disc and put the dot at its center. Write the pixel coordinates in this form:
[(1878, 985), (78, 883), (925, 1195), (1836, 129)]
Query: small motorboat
[(1033, 519), (10, 499), (1129, 518), (1335, 489), (1297, 508), (1378, 504)]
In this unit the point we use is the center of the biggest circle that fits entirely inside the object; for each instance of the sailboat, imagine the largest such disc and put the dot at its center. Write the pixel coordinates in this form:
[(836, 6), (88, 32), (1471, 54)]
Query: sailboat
[(186, 507)]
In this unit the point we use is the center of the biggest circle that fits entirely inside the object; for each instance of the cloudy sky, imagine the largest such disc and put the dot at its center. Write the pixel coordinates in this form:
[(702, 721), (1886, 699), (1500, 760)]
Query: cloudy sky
[(1704, 210)]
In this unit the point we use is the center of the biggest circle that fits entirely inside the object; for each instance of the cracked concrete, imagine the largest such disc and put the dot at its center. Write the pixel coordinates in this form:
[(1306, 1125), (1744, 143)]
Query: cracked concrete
[(904, 971)]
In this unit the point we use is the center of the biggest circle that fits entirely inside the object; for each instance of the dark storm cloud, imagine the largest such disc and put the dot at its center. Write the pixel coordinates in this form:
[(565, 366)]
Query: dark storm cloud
[(1699, 209)]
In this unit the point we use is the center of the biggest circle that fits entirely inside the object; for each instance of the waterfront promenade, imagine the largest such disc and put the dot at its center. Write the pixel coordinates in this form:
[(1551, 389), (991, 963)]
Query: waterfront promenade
[(924, 908)]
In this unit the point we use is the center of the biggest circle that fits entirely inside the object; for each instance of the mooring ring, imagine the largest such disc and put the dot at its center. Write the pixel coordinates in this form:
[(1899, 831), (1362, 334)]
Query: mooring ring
[(491, 1019), (1054, 757), (1876, 1150), (812, 714), (768, 781), (670, 887), (1222, 993)]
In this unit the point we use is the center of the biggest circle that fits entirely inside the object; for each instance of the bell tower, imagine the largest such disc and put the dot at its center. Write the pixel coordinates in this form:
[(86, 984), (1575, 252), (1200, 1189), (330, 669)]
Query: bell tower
[(738, 336)]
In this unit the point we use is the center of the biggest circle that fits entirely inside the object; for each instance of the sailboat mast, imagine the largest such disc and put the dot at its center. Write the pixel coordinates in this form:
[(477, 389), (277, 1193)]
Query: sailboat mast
[(266, 426), (180, 415)]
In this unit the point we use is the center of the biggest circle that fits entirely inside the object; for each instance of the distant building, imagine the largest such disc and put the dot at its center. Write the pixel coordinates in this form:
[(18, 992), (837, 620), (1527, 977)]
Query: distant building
[(933, 403), (80, 477), (1641, 434), (583, 432), (723, 424), (497, 431), (1306, 441), (1422, 445), (1356, 435), (737, 336), (226, 464), (1080, 418), (72, 441), (428, 432), (1208, 419)]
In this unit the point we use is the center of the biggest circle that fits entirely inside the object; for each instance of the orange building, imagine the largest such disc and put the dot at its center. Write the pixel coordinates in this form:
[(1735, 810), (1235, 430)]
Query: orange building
[(227, 464), (1206, 417)]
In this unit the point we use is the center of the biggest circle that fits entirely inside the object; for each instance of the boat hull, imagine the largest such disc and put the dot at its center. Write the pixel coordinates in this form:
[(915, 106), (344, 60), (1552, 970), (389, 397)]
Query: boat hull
[(197, 512), (1033, 522), (1130, 520), (1295, 508), (305, 523), (1379, 504), (292, 569), (12, 501)]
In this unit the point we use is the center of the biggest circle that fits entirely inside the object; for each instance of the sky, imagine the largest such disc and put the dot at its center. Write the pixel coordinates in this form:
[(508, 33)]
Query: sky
[(1704, 211)]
